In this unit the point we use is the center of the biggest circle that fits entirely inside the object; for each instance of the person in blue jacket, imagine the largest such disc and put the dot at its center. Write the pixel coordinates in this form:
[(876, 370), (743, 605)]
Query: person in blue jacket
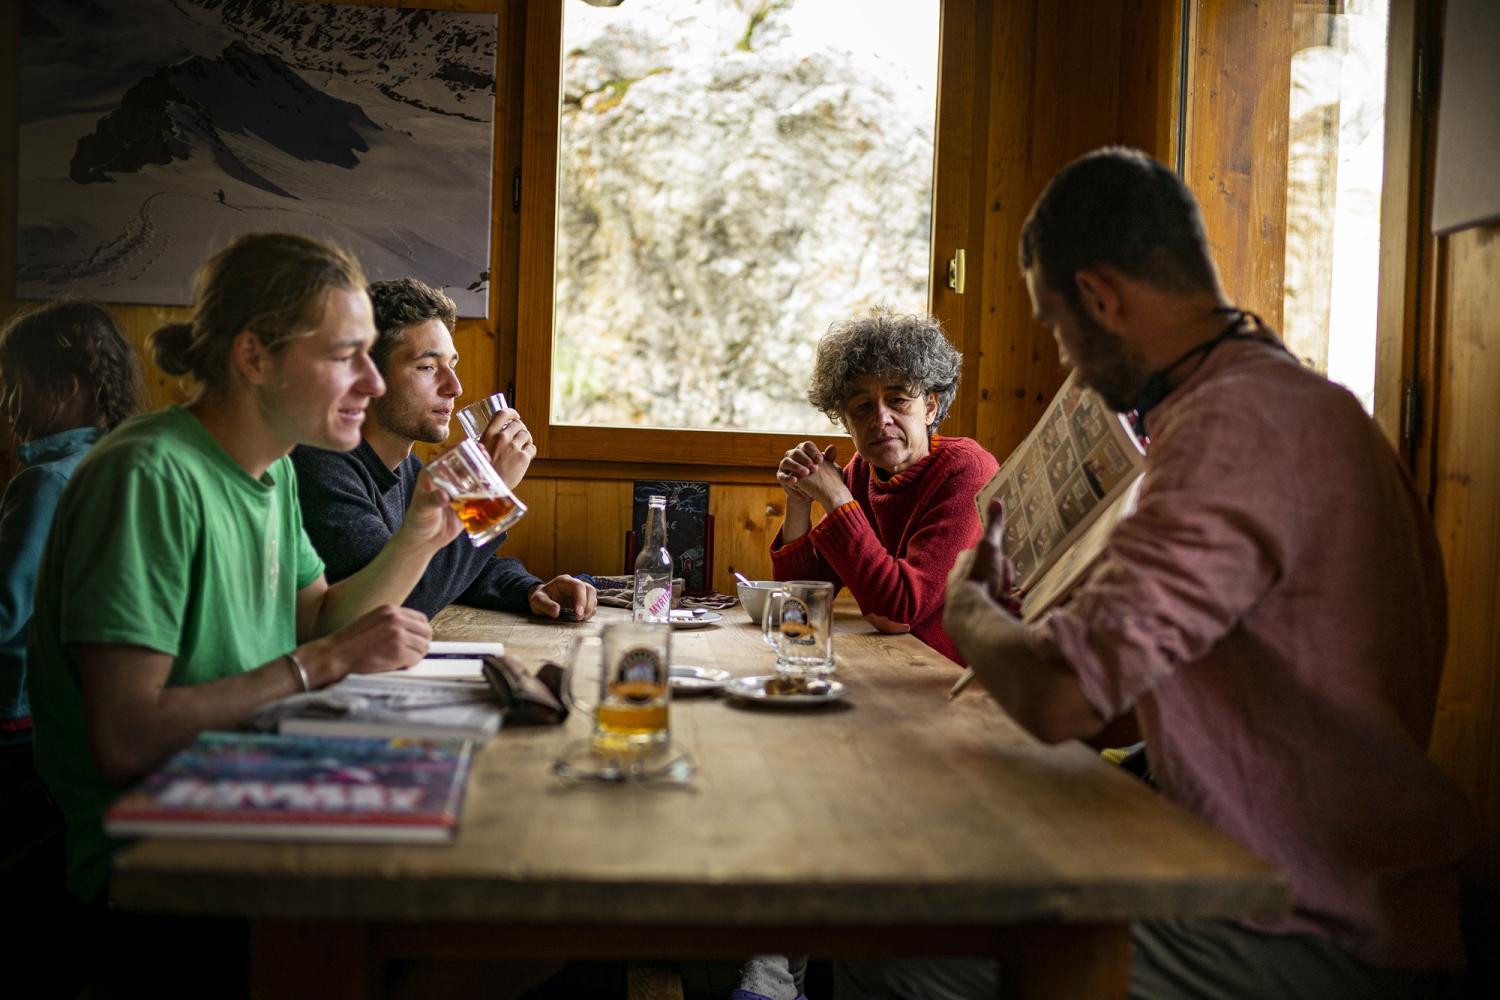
[(67, 376)]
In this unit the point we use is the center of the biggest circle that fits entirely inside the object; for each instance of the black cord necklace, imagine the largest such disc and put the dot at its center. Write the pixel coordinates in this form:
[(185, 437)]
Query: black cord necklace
[(1155, 389)]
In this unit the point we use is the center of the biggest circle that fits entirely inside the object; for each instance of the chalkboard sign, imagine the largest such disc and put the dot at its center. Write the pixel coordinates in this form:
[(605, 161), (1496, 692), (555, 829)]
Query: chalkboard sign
[(688, 529)]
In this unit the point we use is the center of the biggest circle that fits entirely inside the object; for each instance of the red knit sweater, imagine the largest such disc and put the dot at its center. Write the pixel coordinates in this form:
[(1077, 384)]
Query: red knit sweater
[(895, 542)]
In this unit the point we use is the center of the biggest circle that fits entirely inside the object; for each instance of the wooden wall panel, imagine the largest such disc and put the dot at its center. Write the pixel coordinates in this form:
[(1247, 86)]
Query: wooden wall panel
[(1054, 95), (591, 521), (1466, 509), (1150, 50), (746, 519), (1239, 77), (533, 539)]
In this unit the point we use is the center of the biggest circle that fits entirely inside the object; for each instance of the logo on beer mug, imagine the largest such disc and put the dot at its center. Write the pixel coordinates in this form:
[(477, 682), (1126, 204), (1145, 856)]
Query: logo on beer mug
[(795, 616)]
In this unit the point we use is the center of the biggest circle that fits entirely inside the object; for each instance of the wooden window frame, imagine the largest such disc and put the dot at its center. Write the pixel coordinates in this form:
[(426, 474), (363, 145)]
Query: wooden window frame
[(960, 108), (1233, 158)]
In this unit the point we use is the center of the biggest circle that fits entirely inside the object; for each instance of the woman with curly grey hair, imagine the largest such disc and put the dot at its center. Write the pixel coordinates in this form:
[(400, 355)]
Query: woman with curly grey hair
[(903, 508)]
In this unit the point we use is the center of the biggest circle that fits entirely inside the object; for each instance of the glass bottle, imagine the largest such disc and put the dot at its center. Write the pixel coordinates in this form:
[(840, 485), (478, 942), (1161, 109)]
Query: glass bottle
[(653, 567)]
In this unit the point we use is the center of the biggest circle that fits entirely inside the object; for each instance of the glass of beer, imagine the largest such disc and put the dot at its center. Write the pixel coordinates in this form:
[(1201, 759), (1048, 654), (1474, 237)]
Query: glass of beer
[(480, 497), (798, 624), (634, 685), (476, 416)]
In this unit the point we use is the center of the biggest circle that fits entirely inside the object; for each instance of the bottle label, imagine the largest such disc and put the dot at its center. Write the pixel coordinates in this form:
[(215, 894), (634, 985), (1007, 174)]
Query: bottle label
[(657, 603)]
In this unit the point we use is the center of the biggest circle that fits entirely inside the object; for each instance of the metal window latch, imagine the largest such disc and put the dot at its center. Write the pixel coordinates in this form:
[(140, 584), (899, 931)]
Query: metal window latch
[(956, 272)]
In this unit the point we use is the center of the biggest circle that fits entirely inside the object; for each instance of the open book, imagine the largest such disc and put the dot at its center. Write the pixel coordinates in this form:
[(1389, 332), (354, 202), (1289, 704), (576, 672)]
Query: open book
[(1065, 488), (386, 707)]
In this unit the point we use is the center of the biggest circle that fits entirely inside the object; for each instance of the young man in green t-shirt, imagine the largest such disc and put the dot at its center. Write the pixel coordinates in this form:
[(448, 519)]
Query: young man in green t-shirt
[(178, 592)]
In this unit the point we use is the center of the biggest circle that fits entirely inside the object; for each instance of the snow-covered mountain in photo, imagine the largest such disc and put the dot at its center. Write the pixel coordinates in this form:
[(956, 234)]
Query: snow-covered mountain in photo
[(153, 132)]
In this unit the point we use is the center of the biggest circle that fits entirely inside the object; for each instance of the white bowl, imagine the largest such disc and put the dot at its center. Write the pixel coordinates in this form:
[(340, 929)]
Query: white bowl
[(753, 596)]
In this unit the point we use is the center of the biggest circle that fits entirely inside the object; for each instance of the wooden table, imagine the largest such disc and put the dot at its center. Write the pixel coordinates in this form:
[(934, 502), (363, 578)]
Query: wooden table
[(895, 823)]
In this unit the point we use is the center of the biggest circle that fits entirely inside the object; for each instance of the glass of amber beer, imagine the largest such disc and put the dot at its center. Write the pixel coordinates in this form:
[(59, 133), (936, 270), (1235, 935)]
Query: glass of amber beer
[(480, 497), (635, 689)]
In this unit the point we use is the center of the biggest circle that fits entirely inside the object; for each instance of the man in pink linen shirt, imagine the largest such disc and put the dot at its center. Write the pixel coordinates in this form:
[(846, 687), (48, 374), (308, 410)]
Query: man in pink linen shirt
[(1274, 610)]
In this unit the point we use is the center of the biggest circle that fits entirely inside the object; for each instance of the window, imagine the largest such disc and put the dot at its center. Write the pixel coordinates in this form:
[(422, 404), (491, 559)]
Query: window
[(731, 178), (1335, 164)]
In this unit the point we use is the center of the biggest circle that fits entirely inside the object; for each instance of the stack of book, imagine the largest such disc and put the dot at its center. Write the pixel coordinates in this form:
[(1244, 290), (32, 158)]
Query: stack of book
[(375, 757)]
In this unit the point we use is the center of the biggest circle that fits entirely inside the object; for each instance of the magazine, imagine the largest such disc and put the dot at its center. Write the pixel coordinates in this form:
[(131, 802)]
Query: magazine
[(1074, 477), (382, 706), (253, 786)]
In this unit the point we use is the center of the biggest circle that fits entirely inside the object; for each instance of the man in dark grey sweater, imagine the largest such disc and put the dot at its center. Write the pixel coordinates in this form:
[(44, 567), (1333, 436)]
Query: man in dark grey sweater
[(352, 502)]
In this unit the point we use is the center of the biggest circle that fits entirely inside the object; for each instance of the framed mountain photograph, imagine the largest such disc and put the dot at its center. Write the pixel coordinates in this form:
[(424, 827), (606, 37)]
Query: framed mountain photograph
[(154, 132)]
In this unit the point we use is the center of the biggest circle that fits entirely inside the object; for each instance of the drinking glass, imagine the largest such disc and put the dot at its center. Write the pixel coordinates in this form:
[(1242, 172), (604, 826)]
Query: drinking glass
[(629, 661), (480, 497), (798, 624), (476, 416)]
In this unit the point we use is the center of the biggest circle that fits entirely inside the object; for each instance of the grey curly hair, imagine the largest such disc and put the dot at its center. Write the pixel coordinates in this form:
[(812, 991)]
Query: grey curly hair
[(909, 349)]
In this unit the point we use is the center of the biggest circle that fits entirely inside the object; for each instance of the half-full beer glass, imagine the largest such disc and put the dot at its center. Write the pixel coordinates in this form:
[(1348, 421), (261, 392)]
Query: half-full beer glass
[(798, 624), (635, 688), (480, 497)]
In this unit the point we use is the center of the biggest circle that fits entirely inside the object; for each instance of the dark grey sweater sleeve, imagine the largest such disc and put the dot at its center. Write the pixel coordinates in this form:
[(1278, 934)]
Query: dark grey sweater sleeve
[(339, 510), (349, 521), (504, 584)]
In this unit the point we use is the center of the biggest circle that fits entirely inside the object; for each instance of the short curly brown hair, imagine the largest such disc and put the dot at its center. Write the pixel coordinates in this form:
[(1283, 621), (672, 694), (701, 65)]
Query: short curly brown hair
[(402, 303), (909, 349)]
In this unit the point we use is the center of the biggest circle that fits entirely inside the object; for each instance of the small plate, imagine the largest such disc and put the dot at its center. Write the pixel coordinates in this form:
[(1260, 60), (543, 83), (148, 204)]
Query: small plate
[(697, 680), (754, 689), (694, 619)]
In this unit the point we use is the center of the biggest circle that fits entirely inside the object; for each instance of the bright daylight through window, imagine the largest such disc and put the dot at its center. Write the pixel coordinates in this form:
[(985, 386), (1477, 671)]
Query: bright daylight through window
[(735, 175), (1334, 177)]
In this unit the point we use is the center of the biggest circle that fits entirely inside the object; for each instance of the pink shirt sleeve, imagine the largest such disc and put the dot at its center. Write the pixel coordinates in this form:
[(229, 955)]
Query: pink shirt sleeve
[(1215, 527)]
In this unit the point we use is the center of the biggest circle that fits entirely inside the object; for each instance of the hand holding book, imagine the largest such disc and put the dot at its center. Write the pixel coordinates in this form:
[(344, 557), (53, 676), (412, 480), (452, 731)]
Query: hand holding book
[(991, 566), (1063, 491)]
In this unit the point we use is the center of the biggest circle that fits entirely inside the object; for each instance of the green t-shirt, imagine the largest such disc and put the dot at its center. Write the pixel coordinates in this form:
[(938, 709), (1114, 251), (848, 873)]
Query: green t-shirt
[(161, 540)]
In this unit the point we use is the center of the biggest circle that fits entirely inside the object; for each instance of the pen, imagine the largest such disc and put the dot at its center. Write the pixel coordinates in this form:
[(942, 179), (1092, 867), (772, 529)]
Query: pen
[(964, 681)]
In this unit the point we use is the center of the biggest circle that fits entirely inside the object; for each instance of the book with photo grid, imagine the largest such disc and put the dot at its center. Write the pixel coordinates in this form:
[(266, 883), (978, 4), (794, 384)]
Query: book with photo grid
[(1065, 488)]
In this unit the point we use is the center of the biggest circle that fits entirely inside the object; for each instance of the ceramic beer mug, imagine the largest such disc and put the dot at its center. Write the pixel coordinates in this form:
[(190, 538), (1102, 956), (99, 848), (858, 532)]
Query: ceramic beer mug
[(798, 624), (627, 665)]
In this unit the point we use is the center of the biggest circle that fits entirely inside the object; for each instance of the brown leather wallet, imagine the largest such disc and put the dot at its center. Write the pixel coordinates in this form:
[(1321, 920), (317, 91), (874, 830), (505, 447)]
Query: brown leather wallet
[(525, 698)]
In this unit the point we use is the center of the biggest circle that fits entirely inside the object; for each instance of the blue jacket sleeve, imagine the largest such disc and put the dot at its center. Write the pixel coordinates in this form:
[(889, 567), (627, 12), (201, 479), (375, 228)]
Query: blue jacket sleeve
[(26, 513)]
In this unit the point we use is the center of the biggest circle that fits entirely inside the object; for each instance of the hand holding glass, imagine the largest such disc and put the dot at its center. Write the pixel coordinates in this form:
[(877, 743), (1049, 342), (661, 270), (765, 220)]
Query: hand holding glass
[(480, 497)]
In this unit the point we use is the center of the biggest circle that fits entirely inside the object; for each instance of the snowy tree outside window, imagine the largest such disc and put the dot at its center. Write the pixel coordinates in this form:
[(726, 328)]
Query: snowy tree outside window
[(734, 177)]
